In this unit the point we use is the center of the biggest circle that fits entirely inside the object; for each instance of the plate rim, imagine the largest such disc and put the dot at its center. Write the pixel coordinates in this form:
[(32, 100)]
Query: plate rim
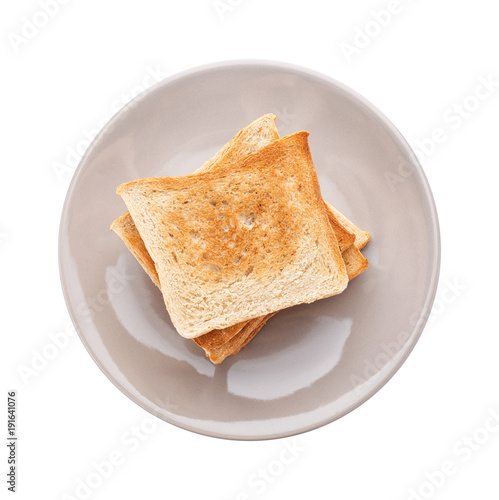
[(381, 118)]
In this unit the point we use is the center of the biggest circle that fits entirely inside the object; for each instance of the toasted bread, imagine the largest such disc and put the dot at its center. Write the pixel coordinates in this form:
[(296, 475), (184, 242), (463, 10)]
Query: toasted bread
[(223, 240), (223, 342)]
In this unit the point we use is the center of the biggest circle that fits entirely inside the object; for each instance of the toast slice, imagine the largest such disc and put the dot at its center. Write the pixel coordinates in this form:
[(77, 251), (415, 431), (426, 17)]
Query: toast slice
[(223, 240), (221, 343)]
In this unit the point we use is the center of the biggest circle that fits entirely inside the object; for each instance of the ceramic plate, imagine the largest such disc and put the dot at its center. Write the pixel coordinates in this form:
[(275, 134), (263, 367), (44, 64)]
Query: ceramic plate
[(310, 364)]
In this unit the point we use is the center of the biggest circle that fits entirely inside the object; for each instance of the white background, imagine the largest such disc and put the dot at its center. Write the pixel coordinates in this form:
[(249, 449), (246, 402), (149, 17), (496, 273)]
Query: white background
[(63, 79)]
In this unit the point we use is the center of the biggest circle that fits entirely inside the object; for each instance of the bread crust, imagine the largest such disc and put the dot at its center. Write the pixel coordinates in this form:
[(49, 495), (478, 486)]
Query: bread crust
[(355, 262), (361, 237), (125, 228), (236, 343)]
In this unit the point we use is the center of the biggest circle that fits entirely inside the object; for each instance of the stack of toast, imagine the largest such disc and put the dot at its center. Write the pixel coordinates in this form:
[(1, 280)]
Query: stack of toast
[(244, 236)]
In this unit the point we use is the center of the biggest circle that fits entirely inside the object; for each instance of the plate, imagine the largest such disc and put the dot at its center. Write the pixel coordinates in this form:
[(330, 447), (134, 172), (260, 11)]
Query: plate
[(311, 364)]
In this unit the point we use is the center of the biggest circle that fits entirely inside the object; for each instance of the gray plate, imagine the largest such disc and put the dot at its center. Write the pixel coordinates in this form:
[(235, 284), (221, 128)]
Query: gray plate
[(310, 364)]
